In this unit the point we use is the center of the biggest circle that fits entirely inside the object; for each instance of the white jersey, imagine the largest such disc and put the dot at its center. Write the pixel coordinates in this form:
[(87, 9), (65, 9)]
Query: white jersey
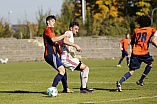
[(65, 49), (67, 53)]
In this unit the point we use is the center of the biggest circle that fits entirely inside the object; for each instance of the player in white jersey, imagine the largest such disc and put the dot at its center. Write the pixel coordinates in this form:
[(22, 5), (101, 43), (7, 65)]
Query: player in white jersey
[(68, 59)]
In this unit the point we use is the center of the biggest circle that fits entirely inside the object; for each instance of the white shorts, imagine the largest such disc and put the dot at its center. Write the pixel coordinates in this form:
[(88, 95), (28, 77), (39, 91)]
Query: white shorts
[(70, 63)]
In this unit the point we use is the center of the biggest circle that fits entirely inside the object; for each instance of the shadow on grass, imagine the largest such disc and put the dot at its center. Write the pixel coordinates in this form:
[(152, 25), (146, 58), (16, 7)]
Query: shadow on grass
[(19, 91), (29, 92), (110, 90), (106, 66)]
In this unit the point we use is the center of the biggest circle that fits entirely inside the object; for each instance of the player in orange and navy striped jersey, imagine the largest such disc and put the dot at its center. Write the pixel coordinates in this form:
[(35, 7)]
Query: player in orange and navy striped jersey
[(140, 40), (123, 46)]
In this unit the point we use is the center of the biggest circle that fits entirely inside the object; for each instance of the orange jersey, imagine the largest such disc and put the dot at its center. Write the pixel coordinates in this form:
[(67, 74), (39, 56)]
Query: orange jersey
[(125, 42), (141, 38), (50, 47)]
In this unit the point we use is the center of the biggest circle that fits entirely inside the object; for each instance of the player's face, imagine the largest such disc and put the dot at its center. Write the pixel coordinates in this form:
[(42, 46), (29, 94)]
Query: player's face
[(127, 36), (75, 29), (51, 23)]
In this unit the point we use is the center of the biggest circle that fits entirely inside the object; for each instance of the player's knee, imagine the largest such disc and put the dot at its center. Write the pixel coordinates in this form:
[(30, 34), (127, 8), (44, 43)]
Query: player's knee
[(61, 70), (151, 64), (83, 66), (131, 72), (86, 68)]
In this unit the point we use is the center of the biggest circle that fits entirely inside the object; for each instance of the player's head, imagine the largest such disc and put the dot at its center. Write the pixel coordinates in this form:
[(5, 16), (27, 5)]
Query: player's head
[(50, 20), (127, 35), (143, 21), (74, 27)]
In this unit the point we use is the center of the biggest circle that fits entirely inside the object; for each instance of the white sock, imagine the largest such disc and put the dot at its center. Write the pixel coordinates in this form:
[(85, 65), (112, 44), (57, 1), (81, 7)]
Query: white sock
[(84, 77)]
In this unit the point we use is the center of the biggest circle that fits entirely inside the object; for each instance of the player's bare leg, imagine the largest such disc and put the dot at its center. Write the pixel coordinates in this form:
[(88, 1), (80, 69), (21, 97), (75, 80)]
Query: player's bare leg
[(61, 70)]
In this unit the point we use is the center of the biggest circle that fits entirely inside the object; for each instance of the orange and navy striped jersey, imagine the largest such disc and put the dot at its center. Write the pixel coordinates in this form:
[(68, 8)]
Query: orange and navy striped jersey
[(141, 38), (50, 47), (125, 42)]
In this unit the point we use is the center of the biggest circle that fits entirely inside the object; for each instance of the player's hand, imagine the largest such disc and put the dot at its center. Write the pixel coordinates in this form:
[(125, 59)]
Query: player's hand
[(121, 49), (67, 35), (78, 48)]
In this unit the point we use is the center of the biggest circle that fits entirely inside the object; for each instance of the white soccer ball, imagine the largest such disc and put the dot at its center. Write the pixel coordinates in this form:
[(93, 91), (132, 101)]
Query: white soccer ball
[(52, 91)]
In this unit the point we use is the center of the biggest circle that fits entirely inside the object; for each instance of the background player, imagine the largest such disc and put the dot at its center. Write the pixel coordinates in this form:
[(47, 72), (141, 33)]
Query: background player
[(123, 47), (50, 52), (140, 39), (72, 63)]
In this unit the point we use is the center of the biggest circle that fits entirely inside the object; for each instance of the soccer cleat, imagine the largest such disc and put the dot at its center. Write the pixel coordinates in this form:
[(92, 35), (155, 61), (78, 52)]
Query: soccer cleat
[(139, 83), (85, 90), (89, 89), (119, 66), (68, 91), (119, 87)]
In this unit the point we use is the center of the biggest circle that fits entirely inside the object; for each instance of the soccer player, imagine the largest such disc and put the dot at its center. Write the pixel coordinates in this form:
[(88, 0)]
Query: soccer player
[(123, 47), (50, 54), (69, 60), (140, 40)]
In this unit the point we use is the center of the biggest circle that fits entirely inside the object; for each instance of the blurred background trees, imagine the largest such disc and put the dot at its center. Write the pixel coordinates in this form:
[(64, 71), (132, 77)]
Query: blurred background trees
[(103, 18)]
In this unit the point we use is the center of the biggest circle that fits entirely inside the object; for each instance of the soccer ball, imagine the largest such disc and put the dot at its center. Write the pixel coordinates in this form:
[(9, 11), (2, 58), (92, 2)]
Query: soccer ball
[(52, 91)]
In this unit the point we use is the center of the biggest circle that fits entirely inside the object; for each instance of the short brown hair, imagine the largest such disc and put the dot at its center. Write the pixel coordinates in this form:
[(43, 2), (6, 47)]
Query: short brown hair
[(72, 24)]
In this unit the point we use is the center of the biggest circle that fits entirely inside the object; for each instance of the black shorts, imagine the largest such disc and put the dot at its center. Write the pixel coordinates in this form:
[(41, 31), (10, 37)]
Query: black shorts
[(78, 67)]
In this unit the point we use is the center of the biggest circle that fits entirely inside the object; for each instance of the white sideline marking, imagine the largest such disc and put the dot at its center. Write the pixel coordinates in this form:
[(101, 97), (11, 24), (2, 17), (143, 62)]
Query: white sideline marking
[(119, 100), (73, 82)]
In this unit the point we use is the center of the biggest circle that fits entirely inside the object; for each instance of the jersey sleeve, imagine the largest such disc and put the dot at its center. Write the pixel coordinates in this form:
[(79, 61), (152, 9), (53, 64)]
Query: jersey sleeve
[(49, 33), (122, 41)]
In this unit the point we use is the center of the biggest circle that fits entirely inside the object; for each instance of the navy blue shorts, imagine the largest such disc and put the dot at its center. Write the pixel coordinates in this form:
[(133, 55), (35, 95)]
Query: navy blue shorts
[(124, 53), (53, 60), (136, 60)]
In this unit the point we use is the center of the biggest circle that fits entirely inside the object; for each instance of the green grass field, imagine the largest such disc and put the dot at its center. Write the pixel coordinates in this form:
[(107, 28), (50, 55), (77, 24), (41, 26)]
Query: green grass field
[(26, 83)]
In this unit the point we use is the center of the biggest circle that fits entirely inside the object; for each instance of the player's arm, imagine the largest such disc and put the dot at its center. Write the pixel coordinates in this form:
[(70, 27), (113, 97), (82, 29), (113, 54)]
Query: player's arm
[(56, 39), (133, 39), (130, 47), (154, 40), (120, 45), (67, 42)]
